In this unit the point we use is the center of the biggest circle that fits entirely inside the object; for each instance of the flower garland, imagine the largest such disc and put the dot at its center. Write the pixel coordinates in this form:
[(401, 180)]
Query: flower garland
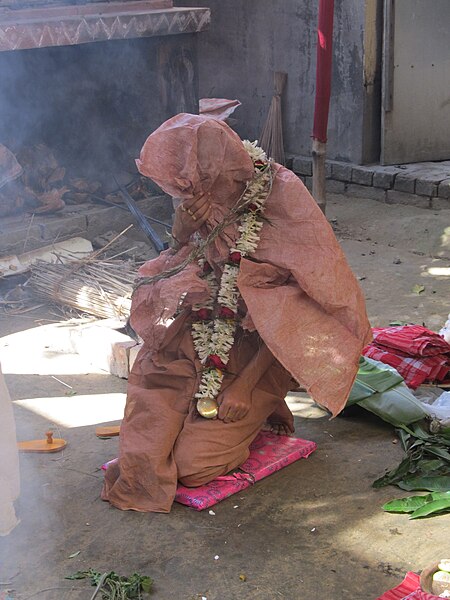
[(216, 322)]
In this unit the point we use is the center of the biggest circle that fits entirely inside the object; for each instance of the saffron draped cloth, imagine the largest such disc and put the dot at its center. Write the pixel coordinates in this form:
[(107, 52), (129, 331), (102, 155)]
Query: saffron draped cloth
[(299, 297)]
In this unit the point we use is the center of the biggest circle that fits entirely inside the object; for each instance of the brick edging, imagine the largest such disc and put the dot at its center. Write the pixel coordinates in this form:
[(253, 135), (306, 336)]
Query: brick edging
[(426, 185)]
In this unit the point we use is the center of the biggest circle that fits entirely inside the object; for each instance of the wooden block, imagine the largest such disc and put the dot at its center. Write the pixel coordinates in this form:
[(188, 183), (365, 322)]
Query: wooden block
[(107, 431), (120, 352), (105, 348)]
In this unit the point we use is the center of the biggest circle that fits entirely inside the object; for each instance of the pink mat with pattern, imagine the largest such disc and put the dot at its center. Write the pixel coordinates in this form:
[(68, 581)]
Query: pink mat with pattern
[(268, 453)]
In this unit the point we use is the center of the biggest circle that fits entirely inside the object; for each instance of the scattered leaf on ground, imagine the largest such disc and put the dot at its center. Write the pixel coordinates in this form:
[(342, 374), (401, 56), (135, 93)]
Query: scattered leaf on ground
[(115, 587), (418, 289), (431, 508)]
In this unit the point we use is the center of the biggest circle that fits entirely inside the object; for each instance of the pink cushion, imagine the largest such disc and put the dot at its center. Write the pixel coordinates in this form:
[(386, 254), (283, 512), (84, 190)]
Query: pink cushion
[(268, 453)]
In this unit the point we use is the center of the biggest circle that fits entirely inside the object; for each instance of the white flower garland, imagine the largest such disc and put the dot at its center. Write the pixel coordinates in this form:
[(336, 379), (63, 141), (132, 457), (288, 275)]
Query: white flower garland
[(213, 334)]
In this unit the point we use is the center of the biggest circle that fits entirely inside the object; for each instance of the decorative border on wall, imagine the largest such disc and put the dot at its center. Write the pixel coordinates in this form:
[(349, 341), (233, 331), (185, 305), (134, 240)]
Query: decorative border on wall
[(26, 33)]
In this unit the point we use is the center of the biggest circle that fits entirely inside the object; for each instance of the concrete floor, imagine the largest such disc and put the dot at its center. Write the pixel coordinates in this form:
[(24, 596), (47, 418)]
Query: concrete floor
[(314, 530)]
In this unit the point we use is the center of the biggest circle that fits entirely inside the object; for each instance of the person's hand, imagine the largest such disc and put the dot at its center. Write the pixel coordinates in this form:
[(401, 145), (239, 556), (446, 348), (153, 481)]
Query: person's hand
[(234, 403), (190, 216)]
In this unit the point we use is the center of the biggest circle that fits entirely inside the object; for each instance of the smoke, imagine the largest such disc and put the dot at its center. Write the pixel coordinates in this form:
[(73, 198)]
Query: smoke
[(95, 104)]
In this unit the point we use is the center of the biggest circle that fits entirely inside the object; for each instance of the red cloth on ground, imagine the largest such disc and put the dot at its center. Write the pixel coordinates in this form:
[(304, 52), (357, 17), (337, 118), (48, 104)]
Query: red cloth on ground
[(409, 589), (412, 339), (418, 354)]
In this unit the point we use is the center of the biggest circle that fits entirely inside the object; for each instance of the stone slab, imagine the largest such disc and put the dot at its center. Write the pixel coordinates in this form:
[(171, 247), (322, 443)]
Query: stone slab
[(396, 197), (441, 204), (23, 233), (384, 177), (363, 191), (302, 165), (444, 189), (405, 182), (426, 188), (62, 225), (17, 237), (335, 187), (341, 171), (362, 175), (431, 174)]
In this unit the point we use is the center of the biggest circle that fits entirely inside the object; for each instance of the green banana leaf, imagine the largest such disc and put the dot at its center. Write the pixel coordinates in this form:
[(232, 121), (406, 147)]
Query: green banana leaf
[(396, 406), (395, 475), (411, 503), (406, 505), (440, 483), (373, 376), (380, 389), (427, 462), (436, 466), (437, 506), (441, 452), (418, 431)]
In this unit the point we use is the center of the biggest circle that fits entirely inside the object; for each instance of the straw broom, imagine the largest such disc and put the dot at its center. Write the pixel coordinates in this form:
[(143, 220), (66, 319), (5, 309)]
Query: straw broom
[(100, 288), (272, 134)]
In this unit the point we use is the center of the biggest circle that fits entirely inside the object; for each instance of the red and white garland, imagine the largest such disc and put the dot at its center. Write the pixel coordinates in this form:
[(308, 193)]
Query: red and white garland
[(216, 322)]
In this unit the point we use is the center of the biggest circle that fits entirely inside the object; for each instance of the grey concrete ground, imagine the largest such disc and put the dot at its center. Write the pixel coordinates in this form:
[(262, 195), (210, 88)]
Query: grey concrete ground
[(314, 530)]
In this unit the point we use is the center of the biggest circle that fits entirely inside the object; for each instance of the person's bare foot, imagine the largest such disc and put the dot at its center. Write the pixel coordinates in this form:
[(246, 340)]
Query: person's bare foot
[(281, 421)]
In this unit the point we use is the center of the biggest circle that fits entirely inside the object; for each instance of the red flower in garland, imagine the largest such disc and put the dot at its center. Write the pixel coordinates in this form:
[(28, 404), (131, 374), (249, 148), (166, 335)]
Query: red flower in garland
[(215, 361), (235, 257), (259, 164), (204, 314), (252, 207), (226, 313)]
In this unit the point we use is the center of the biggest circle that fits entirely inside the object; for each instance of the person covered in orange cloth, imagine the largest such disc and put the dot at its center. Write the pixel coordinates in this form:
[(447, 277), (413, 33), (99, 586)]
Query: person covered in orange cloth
[(256, 292)]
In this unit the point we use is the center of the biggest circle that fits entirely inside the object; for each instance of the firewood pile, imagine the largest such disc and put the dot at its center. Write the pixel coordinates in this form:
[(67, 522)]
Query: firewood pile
[(34, 181)]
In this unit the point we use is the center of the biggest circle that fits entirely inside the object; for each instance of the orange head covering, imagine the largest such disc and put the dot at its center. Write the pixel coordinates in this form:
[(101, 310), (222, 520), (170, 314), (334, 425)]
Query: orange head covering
[(192, 154)]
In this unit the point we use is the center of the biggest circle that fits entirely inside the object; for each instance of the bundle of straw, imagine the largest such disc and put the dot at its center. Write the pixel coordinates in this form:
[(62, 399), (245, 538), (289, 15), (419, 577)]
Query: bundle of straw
[(99, 287), (272, 134)]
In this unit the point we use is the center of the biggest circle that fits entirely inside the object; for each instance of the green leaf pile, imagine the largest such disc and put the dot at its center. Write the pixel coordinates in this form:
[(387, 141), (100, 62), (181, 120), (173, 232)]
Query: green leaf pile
[(427, 462), (420, 506), (112, 586)]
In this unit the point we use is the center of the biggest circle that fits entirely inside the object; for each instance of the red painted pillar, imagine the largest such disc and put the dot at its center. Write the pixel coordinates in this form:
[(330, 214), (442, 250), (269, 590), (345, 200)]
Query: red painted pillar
[(322, 100)]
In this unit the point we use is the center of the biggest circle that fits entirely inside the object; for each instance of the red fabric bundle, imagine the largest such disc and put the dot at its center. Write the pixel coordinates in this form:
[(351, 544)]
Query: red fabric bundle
[(418, 354), (411, 339), (409, 589)]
